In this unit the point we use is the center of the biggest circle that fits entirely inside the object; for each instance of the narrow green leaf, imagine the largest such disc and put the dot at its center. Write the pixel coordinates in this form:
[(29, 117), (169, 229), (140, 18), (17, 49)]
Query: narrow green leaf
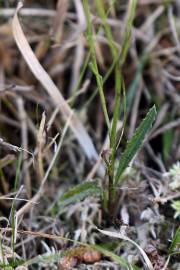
[(175, 241), (125, 238), (118, 71), (127, 31), (94, 66), (101, 11), (135, 143), (121, 261), (80, 192)]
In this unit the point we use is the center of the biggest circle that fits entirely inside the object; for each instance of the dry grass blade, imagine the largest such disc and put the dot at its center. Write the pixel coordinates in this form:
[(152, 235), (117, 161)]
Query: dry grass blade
[(124, 237), (40, 144), (6, 160), (40, 12), (37, 196), (62, 7), (24, 136), (43, 77)]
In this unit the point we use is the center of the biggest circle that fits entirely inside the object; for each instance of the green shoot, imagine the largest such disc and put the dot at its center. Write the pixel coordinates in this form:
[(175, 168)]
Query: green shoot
[(94, 65)]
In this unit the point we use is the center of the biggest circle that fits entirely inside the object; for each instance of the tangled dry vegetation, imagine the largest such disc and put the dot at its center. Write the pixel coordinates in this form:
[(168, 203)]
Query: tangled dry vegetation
[(54, 134)]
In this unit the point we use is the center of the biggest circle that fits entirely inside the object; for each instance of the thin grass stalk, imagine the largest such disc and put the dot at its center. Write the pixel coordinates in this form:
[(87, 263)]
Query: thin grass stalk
[(86, 62), (118, 75), (118, 86), (118, 82), (94, 62), (114, 52), (113, 132), (125, 113), (102, 13), (110, 70), (128, 29), (106, 77), (13, 216)]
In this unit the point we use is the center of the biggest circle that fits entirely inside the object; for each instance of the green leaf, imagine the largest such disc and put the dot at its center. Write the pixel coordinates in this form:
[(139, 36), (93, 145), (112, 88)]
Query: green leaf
[(135, 143), (80, 192), (175, 241)]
